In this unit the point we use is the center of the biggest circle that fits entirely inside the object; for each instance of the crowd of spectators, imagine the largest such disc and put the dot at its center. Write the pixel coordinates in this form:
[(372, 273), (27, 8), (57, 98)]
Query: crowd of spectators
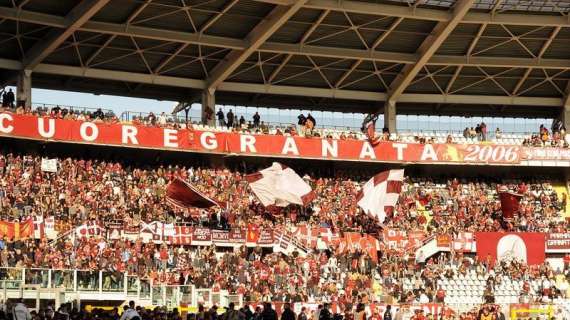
[(264, 311), (106, 192), (479, 132)]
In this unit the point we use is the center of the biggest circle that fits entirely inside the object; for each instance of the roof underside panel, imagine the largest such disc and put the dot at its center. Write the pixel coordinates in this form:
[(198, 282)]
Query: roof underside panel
[(322, 56)]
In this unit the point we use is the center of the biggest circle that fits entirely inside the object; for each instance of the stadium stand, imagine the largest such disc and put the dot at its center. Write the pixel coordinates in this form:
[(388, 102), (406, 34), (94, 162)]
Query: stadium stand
[(218, 212)]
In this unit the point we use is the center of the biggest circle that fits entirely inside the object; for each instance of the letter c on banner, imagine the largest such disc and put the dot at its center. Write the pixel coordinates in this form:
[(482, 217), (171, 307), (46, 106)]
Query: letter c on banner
[(208, 141), (83, 131), (6, 128)]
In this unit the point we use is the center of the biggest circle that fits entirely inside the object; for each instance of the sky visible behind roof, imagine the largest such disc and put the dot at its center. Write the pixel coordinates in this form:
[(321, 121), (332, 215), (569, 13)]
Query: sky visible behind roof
[(120, 104)]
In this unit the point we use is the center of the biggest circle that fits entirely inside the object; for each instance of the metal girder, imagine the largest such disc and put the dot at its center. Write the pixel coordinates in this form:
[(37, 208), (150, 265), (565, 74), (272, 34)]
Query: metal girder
[(80, 14), (276, 18), (279, 89), (480, 99), (408, 12), (427, 49), (285, 48)]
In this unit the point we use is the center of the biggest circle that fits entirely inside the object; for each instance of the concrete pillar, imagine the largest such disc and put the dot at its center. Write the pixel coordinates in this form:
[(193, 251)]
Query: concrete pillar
[(565, 117), (24, 90), (208, 108), (390, 116)]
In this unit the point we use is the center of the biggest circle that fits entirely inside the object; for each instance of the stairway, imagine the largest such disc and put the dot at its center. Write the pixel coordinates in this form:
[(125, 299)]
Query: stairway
[(561, 189)]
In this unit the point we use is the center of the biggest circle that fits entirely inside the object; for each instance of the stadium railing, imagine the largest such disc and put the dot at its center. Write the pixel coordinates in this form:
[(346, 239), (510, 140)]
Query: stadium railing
[(104, 285), (439, 135), (84, 110), (115, 288)]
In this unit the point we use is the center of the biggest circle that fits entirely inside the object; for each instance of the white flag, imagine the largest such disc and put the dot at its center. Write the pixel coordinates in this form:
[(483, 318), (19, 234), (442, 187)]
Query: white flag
[(380, 194), (49, 165), (281, 186)]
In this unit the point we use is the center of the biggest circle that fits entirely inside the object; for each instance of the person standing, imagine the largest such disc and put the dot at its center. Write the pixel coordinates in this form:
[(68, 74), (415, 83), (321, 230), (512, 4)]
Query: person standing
[(325, 314), (5, 99), (10, 98), (21, 312), (310, 117), (268, 312), (288, 314), (388, 313), (130, 312), (221, 120), (483, 131), (302, 120), (360, 313), (256, 120), (303, 314), (230, 118)]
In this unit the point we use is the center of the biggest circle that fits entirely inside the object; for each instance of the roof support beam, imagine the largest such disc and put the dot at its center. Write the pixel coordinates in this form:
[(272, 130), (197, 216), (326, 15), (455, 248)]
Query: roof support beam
[(410, 12), (276, 18), (80, 14), (279, 89), (427, 49), (548, 42), (283, 48)]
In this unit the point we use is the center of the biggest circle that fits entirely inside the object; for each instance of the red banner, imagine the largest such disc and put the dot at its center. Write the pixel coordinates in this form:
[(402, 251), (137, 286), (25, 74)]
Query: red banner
[(237, 236), (265, 237), (415, 239), (399, 239), (31, 127), (443, 240), (358, 241), (17, 230), (253, 233), (524, 246), (558, 241), (183, 235), (202, 235), (220, 236)]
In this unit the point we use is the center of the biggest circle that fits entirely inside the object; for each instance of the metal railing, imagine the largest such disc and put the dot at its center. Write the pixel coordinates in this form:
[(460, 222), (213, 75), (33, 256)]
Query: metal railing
[(105, 285), (129, 116), (47, 107)]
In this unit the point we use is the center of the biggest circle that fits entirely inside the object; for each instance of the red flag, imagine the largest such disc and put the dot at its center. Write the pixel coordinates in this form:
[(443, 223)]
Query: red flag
[(509, 203), (528, 247), (183, 194)]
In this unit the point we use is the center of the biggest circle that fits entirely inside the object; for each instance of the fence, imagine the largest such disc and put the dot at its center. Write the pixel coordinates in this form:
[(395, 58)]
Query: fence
[(75, 109), (81, 286), (104, 285)]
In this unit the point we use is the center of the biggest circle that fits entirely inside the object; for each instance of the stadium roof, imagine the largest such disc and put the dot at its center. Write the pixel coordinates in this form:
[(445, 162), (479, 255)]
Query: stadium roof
[(503, 57)]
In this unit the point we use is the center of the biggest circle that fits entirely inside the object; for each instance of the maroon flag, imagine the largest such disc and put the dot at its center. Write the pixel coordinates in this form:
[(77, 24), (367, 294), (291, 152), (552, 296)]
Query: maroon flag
[(183, 194), (509, 203), (369, 129)]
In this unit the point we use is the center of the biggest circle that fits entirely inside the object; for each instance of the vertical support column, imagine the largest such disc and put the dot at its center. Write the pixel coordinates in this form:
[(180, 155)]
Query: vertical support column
[(565, 117), (208, 108), (100, 283), (390, 115), (24, 92)]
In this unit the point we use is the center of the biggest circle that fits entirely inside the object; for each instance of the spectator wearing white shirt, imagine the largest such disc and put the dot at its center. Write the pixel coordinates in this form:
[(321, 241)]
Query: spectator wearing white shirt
[(162, 119), (21, 312), (130, 312)]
